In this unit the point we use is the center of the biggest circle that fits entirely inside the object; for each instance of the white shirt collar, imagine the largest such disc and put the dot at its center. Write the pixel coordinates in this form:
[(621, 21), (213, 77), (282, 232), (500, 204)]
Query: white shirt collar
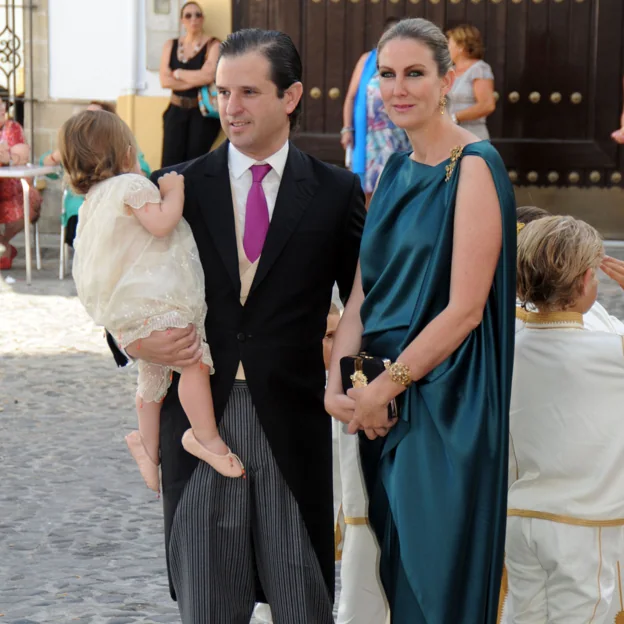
[(239, 162)]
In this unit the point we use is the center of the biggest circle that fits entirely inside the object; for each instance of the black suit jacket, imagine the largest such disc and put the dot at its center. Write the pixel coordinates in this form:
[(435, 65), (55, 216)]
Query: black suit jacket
[(313, 241)]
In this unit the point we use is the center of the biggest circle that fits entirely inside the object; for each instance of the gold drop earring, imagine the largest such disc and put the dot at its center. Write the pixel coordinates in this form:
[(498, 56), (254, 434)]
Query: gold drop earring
[(443, 100)]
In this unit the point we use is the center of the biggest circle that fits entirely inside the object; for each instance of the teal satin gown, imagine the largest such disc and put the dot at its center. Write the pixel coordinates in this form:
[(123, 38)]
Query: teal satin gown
[(438, 482)]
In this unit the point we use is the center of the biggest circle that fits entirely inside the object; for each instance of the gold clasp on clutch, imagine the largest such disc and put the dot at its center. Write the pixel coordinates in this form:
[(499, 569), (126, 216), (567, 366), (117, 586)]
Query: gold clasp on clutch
[(359, 379)]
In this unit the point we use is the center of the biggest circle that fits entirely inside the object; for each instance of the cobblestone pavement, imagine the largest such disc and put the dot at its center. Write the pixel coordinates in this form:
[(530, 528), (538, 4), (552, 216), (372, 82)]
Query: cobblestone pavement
[(80, 535)]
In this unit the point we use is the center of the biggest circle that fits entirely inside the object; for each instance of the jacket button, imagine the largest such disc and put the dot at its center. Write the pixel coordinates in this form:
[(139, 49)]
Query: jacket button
[(241, 337)]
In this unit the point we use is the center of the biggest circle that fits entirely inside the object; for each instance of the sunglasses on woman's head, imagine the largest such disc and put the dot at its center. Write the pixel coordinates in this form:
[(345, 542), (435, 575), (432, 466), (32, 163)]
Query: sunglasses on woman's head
[(191, 15)]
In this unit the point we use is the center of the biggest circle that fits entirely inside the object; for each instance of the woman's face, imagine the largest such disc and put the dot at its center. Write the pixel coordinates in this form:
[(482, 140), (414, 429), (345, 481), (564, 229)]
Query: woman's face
[(3, 109), (454, 50), (409, 83), (193, 18)]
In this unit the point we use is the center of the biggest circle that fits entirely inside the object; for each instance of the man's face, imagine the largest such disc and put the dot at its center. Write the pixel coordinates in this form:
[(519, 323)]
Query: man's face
[(254, 118), (328, 341)]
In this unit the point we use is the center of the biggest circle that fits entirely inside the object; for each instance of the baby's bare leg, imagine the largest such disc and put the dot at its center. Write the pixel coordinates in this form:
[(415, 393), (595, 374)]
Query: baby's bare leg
[(148, 413), (196, 399)]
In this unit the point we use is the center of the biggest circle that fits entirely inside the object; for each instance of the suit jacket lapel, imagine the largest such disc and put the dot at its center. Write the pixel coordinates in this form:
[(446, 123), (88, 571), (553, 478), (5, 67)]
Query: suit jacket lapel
[(214, 196), (295, 192)]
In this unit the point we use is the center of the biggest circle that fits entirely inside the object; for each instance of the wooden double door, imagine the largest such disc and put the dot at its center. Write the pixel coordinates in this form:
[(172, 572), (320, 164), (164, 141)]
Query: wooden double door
[(558, 67)]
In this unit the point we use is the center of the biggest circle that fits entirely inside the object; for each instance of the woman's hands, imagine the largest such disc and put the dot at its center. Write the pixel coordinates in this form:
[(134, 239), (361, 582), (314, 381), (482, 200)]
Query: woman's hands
[(371, 412), (346, 138), (340, 406), (360, 409), (5, 155)]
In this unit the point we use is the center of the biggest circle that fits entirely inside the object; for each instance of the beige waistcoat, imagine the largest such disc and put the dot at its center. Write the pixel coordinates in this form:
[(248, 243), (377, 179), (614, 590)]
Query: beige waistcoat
[(247, 272)]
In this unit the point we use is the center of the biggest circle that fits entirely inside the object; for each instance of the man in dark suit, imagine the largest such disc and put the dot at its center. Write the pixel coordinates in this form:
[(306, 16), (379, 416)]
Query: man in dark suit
[(275, 229)]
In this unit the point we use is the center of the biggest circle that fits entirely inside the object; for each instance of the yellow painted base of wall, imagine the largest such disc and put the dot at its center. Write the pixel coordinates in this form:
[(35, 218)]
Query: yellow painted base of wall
[(144, 116)]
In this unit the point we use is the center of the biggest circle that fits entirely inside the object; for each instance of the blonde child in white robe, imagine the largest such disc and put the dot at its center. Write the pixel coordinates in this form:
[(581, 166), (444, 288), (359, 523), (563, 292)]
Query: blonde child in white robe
[(565, 530), (596, 318), (137, 270)]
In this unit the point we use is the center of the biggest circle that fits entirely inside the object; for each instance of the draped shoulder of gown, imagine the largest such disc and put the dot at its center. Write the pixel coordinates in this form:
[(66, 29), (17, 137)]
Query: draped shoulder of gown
[(438, 482)]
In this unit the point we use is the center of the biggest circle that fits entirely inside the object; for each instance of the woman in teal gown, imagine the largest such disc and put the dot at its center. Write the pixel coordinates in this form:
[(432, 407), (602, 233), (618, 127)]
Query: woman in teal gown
[(435, 292)]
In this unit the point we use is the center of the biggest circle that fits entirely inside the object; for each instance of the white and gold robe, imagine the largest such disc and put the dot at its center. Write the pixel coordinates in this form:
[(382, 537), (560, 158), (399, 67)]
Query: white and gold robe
[(361, 599), (565, 532)]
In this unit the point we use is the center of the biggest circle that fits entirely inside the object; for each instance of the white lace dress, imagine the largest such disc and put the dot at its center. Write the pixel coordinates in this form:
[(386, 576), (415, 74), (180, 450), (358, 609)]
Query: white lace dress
[(131, 282)]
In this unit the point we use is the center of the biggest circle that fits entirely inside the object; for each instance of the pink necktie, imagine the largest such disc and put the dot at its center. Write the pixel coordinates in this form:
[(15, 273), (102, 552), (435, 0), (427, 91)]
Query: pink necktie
[(256, 214)]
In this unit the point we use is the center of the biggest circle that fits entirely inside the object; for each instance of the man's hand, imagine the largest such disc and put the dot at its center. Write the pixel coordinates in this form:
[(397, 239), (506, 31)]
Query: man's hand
[(172, 347)]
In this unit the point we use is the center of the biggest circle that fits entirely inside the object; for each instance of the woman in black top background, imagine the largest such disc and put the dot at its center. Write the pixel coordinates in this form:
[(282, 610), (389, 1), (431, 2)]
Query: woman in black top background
[(186, 65)]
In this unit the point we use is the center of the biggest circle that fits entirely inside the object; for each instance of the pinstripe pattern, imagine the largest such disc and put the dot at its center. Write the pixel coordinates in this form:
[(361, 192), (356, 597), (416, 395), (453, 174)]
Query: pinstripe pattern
[(222, 526)]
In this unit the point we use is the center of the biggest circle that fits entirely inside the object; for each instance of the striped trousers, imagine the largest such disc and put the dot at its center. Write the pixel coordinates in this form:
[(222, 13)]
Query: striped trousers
[(228, 532)]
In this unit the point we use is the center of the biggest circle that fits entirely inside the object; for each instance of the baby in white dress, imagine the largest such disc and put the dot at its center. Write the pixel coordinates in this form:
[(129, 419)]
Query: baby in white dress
[(137, 270)]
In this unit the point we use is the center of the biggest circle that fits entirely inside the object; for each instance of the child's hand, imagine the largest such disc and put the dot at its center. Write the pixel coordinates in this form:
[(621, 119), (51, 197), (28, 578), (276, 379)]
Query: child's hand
[(171, 181)]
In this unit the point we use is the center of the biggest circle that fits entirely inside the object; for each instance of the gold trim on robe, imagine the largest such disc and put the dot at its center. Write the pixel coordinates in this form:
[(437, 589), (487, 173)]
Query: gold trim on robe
[(355, 521), (553, 320), (544, 515), (502, 597)]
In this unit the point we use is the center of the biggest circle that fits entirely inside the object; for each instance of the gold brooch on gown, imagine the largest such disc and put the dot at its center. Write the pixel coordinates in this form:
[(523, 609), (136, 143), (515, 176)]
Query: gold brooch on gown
[(456, 153)]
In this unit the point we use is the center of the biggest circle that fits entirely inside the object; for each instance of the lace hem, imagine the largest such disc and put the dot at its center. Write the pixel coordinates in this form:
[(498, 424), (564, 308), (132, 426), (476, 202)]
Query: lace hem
[(154, 380), (138, 198), (161, 322)]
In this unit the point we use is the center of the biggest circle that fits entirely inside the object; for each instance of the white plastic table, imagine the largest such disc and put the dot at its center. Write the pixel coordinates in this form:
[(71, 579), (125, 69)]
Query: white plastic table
[(23, 172)]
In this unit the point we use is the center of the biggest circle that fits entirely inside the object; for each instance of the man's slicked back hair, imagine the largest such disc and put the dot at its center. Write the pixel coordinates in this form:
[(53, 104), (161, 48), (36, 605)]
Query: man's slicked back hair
[(279, 49)]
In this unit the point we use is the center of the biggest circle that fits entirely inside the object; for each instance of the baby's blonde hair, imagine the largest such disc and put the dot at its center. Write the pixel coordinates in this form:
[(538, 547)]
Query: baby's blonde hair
[(553, 255), (95, 146)]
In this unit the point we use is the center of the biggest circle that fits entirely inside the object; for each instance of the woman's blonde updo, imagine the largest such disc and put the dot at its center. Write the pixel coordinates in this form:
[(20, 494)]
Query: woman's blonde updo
[(95, 146), (425, 32), (553, 255), (469, 38)]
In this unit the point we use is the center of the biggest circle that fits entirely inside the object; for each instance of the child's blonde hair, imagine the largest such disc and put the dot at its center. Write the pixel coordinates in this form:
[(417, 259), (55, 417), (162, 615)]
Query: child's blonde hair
[(553, 255), (95, 146)]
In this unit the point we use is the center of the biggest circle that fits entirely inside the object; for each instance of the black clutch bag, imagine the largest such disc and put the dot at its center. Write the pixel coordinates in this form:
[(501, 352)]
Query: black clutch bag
[(357, 371)]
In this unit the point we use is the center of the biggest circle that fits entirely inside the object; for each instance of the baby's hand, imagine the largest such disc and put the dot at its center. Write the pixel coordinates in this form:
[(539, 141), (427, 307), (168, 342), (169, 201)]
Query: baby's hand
[(171, 181)]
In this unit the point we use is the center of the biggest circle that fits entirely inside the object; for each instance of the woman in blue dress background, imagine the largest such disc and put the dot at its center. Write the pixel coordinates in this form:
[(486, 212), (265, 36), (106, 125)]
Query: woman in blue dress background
[(367, 129), (435, 293)]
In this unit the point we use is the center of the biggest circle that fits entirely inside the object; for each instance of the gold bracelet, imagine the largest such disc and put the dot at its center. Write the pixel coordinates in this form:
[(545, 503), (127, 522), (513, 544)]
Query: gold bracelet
[(400, 373)]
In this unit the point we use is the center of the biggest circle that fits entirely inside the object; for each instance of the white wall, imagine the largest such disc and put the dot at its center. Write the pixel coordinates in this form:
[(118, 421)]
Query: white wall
[(97, 50)]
